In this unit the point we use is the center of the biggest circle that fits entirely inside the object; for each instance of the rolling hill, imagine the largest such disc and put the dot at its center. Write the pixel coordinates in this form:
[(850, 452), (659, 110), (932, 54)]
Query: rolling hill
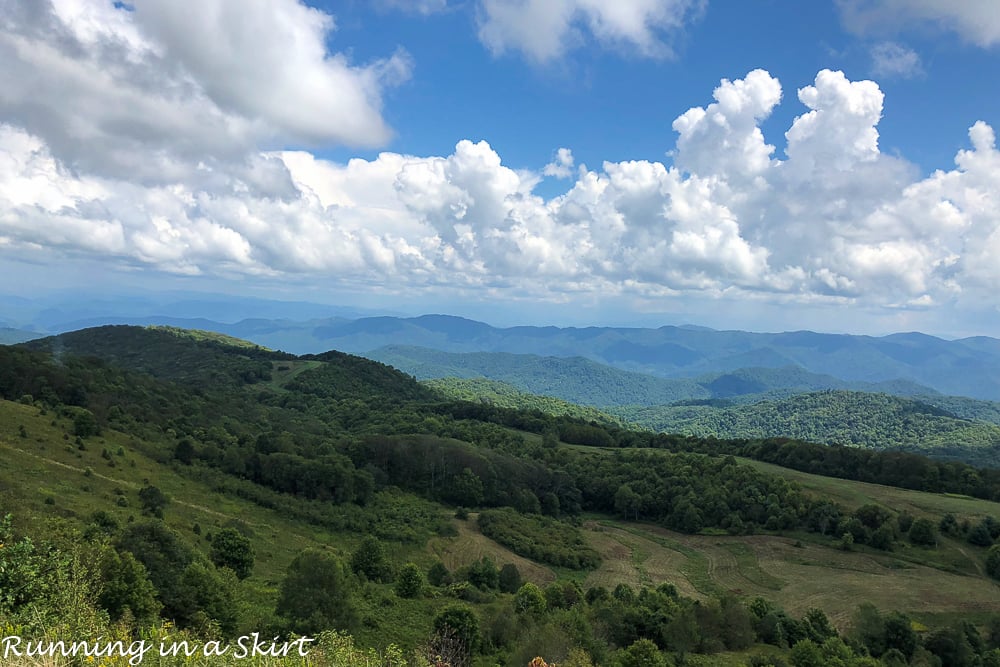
[(585, 382)]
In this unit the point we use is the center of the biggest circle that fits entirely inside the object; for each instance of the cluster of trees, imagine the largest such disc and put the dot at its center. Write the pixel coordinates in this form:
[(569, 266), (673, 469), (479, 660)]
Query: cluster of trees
[(688, 492), (539, 538)]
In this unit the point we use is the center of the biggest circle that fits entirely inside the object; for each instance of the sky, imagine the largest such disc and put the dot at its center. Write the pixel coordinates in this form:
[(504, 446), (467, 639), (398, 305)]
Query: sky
[(766, 165)]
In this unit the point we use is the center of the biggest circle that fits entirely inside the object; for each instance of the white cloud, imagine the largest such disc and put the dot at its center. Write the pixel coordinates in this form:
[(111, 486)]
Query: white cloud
[(544, 30), (892, 60), (724, 139), (145, 93), (562, 165), (839, 131), (976, 21), (833, 220)]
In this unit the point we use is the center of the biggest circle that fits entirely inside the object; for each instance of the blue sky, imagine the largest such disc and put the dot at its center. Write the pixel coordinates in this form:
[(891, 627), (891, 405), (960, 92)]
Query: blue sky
[(763, 165)]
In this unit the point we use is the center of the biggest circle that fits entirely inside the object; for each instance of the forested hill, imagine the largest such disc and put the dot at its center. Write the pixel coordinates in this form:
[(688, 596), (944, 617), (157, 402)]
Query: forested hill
[(504, 395), (587, 382), (574, 379), (876, 421)]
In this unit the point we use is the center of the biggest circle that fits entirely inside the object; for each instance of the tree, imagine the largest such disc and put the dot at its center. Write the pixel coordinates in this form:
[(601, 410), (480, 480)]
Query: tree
[(529, 599), (371, 560), (315, 594), (203, 594), (164, 555), (642, 653), (460, 622), (510, 578), (922, 532), (409, 582), (980, 535), (550, 504), (184, 452), (232, 549), (466, 489), (153, 501), (438, 574), (85, 424), (993, 561), (900, 635), (483, 574), (627, 502), (126, 588)]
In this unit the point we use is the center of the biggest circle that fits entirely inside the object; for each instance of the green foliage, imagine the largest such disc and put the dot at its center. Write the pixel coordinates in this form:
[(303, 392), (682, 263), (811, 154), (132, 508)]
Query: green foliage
[(922, 532), (642, 653), (459, 621), (315, 594), (575, 379), (993, 561), (232, 549), (165, 556), (153, 501), (371, 561), (204, 596), (126, 589), (863, 419), (505, 395), (483, 574), (509, 579), (438, 574), (22, 569), (410, 581), (539, 538), (85, 424), (530, 599)]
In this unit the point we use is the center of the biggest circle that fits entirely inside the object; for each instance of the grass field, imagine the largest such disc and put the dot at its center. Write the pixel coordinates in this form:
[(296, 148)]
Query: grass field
[(796, 577), (854, 494), (929, 583), (471, 545)]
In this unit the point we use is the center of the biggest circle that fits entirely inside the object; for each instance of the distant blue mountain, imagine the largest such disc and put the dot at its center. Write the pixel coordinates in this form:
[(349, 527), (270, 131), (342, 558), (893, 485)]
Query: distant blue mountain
[(587, 382)]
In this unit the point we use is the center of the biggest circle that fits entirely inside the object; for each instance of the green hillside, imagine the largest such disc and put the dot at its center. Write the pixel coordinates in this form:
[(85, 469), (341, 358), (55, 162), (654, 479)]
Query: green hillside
[(504, 395), (877, 421), (153, 475)]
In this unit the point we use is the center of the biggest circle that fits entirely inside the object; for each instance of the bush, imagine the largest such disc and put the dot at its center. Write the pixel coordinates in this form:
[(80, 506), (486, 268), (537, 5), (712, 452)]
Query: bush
[(993, 561), (232, 549), (922, 533), (371, 560), (410, 581)]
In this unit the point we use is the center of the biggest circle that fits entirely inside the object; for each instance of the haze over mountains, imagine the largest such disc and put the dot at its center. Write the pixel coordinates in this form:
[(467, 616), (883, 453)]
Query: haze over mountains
[(704, 363)]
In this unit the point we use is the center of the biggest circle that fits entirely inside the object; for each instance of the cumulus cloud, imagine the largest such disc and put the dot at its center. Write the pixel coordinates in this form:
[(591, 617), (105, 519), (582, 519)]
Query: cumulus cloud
[(833, 218), (562, 165), (976, 21), (146, 92), (892, 60), (544, 30)]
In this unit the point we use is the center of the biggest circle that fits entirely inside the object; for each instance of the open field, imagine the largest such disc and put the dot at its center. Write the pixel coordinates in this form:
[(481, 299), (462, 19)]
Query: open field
[(925, 582), (471, 545), (854, 494), (796, 577)]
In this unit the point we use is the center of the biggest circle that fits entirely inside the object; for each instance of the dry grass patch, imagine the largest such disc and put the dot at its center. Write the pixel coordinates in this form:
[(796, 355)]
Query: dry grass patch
[(471, 545)]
